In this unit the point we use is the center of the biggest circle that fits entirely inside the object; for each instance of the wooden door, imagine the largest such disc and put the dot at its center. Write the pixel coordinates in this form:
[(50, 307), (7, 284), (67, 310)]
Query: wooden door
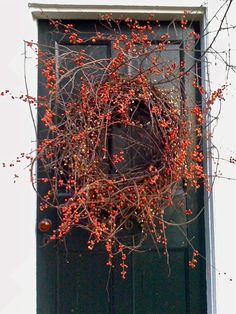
[(71, 279)]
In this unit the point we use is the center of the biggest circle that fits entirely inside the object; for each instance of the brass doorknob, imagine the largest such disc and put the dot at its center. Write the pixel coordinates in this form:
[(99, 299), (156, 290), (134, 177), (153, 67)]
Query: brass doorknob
[(45, 225)]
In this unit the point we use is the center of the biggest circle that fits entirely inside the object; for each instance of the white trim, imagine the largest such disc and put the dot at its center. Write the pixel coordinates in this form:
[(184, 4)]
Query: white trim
[(82, 11), (208, 196)]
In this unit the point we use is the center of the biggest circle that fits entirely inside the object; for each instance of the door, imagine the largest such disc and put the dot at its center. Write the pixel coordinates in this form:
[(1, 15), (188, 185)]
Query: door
[(72, 279)]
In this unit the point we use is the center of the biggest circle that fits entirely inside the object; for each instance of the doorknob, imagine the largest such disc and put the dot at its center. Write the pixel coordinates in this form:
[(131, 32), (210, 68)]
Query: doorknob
[(45, 225)]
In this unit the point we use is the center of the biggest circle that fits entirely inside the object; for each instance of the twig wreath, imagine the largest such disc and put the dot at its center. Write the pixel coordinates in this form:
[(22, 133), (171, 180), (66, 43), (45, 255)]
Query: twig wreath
[(122, 133)]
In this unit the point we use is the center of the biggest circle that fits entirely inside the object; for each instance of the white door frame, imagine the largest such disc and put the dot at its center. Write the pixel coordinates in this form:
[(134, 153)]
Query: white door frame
[(90, 11)]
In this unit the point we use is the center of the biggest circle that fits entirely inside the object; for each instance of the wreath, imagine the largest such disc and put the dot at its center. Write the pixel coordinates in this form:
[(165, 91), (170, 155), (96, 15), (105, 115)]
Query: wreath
[(122, 135)]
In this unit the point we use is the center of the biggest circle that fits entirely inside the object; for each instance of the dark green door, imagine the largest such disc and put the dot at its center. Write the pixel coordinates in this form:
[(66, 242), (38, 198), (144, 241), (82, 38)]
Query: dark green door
[(70, 279)]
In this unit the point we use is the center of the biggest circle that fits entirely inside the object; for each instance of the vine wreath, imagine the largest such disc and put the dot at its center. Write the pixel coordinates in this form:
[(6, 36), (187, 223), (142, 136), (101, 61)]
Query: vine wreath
[(122, 133)]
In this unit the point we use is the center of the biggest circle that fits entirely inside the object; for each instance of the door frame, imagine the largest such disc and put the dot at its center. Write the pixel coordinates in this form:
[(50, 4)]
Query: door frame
[(141, 12)]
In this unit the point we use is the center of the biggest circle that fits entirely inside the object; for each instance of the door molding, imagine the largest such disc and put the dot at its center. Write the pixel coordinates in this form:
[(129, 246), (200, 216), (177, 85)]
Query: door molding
[(90, 11)]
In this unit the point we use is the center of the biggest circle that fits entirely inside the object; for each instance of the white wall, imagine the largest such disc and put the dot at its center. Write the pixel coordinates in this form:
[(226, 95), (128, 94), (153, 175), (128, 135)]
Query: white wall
[(224, 189), (18, 201), (17, 206)]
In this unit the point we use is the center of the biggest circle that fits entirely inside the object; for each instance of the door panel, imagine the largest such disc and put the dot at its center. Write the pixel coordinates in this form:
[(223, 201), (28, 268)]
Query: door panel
[(70, 279)]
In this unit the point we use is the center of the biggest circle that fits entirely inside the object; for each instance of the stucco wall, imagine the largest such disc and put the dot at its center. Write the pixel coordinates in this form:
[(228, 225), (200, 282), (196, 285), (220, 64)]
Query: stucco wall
[(18, 201)]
